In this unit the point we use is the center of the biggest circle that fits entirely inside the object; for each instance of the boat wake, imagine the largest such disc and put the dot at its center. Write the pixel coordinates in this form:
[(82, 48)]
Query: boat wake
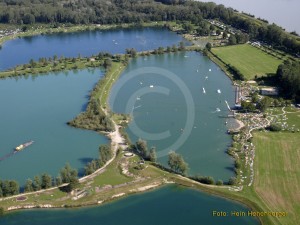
[(7, 156), (217, 110)]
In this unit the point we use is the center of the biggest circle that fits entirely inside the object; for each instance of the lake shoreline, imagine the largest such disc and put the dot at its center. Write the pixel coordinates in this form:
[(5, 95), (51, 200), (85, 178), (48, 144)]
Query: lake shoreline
[(192, 183)]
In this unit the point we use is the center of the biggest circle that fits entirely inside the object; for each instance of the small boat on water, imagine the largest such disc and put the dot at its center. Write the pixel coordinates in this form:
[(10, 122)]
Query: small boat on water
[(219, 91), (22, 146), (204, 91)]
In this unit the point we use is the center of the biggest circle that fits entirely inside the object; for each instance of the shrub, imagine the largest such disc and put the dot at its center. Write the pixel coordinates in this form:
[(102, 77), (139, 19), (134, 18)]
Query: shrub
[(219, 182), (232, 181), (275, 127)]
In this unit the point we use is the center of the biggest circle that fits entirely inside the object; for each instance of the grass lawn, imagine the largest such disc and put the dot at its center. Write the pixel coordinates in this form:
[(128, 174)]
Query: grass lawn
[(248, 59), (277, 173)]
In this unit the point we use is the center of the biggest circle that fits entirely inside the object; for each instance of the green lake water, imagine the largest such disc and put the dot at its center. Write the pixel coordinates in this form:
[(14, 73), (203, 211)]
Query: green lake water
[(37, 108), (170, 205), (171, 111)]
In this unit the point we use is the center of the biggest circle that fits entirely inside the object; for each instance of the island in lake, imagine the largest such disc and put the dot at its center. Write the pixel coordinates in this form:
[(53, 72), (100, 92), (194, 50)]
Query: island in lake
[(195, 104)]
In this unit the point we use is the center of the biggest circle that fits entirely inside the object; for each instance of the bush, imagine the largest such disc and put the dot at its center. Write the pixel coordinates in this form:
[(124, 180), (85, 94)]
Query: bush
[(275, 127), (232, 181), (204, 180), (219, 182)]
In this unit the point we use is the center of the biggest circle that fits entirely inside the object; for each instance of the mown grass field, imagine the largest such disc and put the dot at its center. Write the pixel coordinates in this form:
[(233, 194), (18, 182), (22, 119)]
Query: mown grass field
[(248, 59), (277, 173)]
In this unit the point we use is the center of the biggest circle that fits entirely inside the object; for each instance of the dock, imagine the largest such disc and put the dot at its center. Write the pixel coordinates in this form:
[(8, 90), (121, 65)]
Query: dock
[(238, 95)]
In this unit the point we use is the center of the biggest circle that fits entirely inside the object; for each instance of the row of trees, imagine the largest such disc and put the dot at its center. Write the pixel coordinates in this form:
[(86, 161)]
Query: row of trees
[(127, 11), (67, 175), (175, 161), (177, 164)]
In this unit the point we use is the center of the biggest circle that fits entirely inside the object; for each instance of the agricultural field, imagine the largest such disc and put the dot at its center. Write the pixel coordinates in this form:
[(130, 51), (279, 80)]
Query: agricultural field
[(277, 173), (249, 60)]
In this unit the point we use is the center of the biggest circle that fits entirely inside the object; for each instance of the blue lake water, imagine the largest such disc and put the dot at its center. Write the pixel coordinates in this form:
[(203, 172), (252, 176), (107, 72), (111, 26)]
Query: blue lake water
[(85, 43)]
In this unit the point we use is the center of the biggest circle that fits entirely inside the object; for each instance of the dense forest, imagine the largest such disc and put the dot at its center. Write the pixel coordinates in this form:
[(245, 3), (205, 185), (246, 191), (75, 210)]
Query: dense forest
[(288, 74), (137, 11)]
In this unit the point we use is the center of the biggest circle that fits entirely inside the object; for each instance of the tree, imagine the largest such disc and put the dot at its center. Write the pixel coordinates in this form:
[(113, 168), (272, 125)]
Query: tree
[(232, 181), (46, 181), (208, 46), (181, 46), (264, 103), (142, 148), (58, 181), (248, 106), (68, 173), (10, 187), (219, 182), (74, 182), (107, 63), (232, 40), (176, 163), (132, 52), (32, 63), (275, 127), (29, 186), (29, 19), (289, 80), (152, 154), (36, 183), (14, 187), (105, 154), (174, 48), (188, 27)]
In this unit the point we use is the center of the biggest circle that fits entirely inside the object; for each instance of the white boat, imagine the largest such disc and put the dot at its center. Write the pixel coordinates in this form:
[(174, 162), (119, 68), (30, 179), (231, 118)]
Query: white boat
[(209, 70), (218, 110), (151, 86), (204, 90), (219, 91)]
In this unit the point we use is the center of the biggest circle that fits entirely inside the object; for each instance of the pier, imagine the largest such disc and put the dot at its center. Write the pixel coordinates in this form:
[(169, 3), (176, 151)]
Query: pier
[(238, 94)]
